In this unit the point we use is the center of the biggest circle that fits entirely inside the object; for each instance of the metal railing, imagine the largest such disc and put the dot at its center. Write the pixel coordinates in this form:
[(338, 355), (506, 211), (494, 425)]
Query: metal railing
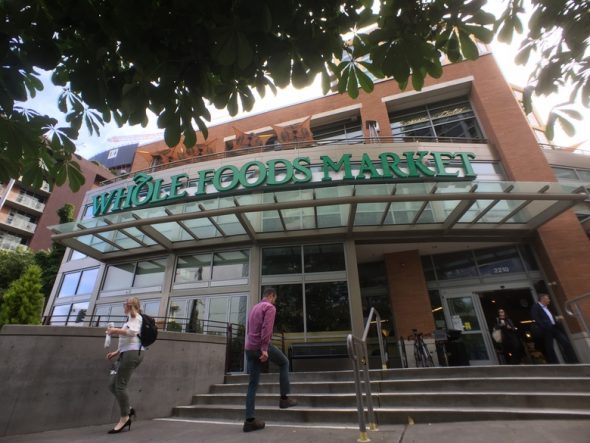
[(574, 304), (359, 356), (275, 146), (234, 333)]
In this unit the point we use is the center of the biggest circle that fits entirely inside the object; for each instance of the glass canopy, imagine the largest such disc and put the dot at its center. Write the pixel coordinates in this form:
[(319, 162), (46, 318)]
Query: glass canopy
[(391, 211)]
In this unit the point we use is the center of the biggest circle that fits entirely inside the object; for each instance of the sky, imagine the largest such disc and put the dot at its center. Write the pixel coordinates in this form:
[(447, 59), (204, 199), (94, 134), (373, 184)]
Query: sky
[(111, 136)]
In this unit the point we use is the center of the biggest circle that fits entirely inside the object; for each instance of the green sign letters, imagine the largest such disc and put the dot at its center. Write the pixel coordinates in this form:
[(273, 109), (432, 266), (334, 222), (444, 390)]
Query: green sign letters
[(145, 190)]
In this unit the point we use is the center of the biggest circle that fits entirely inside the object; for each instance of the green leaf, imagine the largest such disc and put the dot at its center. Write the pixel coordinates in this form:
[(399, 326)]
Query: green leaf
[(190, 138), (572, 113), (227, 49), (527, 99), (352, 85), (566, 125), (172, 135), (232, 104), (326, 83), (468, 47), (417, 80), (550, 128), (506, 32), (364, 80), (245, 52)]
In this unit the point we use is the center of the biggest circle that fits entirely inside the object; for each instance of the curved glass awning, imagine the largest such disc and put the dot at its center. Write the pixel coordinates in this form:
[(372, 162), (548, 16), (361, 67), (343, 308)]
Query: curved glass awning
[(388, 211)]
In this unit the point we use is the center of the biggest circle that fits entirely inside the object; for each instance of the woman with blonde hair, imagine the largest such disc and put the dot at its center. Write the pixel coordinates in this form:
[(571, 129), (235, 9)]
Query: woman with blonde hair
[(129, 358)]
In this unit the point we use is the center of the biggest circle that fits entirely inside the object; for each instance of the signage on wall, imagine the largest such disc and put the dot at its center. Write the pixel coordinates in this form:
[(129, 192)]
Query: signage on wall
[(146, 191)]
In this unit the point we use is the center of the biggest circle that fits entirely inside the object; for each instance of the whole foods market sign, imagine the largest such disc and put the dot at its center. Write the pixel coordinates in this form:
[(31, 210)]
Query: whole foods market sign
[(146, 191)]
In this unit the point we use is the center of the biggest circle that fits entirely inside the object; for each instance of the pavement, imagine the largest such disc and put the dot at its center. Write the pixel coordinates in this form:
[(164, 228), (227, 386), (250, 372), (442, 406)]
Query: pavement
[(197, 431)]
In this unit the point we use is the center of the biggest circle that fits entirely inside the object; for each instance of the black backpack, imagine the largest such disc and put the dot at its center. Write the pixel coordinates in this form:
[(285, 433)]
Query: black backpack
[(149, 331)]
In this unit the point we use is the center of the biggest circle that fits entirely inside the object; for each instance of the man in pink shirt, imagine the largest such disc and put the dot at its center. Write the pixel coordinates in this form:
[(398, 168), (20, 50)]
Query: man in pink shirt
[(259, 349)]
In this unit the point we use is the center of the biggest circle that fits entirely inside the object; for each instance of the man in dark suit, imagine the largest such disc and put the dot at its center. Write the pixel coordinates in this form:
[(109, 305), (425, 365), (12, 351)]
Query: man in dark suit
[(550, 328)]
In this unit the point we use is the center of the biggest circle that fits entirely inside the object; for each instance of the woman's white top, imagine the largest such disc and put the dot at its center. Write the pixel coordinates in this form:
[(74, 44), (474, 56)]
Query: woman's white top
[(130, 341)]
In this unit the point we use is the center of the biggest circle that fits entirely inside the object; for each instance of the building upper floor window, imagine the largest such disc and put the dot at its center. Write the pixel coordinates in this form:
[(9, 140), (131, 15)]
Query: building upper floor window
[(349, 129), (303, 259), (573, 174), (141, 274), (78, 283), (216, 266), (443, 121)]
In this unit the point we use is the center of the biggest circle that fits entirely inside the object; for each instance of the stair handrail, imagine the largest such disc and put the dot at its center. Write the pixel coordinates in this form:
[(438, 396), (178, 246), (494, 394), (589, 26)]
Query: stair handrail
[(359, 357), (577, 312)]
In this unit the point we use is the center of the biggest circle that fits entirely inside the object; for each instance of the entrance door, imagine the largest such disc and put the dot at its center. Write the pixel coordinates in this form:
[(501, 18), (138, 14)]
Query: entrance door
[(464, 312)]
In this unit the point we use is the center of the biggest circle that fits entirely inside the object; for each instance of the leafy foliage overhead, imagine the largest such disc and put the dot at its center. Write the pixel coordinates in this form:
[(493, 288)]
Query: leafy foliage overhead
[(118, 59)]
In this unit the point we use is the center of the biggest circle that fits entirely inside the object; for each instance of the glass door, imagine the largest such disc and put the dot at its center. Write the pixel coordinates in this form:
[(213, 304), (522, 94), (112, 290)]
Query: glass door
[(464, 312)]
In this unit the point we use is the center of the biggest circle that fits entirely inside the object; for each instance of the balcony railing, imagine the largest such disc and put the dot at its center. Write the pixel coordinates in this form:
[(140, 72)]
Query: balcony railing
[(276, 146), (11, 244), (22, 224), (30, 202)]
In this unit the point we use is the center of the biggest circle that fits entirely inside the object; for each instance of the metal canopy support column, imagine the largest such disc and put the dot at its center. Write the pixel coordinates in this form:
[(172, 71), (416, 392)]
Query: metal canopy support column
[(245, 223), (280, 214), (184, 226), (490, 206), (213, 222), (423, 207), (521, 206), (352, 213), (153, 234), (459, 211), (131, 236), (388, 206)]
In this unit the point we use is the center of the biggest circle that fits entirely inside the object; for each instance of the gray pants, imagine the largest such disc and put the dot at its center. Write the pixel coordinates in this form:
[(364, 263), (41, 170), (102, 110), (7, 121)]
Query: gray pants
[(128, 361)]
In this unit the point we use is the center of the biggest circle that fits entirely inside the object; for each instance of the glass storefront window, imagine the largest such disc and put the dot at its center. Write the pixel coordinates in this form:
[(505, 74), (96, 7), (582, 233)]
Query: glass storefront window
[(324, 258), (119, 277), (428, 268), (529, 258), (564, 173), (230, 265), (149, 273), (191, 268), (78, 283), (455, 265), (289, 306), (451, 119), (69, 284), (498, 261), (281, 260), (327, 306), (87, 281)]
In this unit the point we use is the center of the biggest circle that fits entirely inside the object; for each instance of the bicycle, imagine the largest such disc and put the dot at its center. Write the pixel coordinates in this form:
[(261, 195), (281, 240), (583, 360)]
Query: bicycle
[(421, 353)]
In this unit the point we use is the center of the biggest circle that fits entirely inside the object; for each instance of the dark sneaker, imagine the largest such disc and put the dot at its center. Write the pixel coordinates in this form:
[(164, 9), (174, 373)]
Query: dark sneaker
[(285, 403), (253, 425)]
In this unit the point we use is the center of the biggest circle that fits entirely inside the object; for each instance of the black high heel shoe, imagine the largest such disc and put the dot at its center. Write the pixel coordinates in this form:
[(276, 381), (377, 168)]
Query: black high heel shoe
[(116, 431), (132, 414)]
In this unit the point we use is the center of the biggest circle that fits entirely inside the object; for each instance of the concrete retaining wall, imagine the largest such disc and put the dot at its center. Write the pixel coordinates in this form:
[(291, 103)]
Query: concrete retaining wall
[(54, 377)]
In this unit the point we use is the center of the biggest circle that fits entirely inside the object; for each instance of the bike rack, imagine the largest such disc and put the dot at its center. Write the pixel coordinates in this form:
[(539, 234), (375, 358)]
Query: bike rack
[(357, 351)]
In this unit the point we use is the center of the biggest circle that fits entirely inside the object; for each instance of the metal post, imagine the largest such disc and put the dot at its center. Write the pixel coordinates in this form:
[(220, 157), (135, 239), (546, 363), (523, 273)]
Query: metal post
[(369, 396), (352, 351)]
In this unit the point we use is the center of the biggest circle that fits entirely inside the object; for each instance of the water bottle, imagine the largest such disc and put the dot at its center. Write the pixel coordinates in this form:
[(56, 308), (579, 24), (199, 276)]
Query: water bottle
[(107, 338)]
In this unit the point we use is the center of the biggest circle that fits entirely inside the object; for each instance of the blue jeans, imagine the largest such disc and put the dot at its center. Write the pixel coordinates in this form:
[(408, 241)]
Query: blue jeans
[(254, 365)]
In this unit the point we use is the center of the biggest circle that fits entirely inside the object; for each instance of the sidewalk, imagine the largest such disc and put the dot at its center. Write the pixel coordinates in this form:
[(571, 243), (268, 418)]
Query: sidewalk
[(174, 430)]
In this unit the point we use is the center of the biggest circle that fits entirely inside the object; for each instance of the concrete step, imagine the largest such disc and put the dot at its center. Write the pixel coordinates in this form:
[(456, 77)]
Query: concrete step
[(426, 395), (540, 400), (384, 416), (577, 370), (506, 384)]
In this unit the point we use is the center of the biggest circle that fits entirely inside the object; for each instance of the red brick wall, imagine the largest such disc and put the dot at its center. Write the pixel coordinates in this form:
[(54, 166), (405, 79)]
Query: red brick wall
[(408, 293)]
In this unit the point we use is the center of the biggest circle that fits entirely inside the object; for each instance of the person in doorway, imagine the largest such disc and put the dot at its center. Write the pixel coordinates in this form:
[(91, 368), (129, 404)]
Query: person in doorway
[(511, 344), (258, 349), (550, 328), (129, 357)]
